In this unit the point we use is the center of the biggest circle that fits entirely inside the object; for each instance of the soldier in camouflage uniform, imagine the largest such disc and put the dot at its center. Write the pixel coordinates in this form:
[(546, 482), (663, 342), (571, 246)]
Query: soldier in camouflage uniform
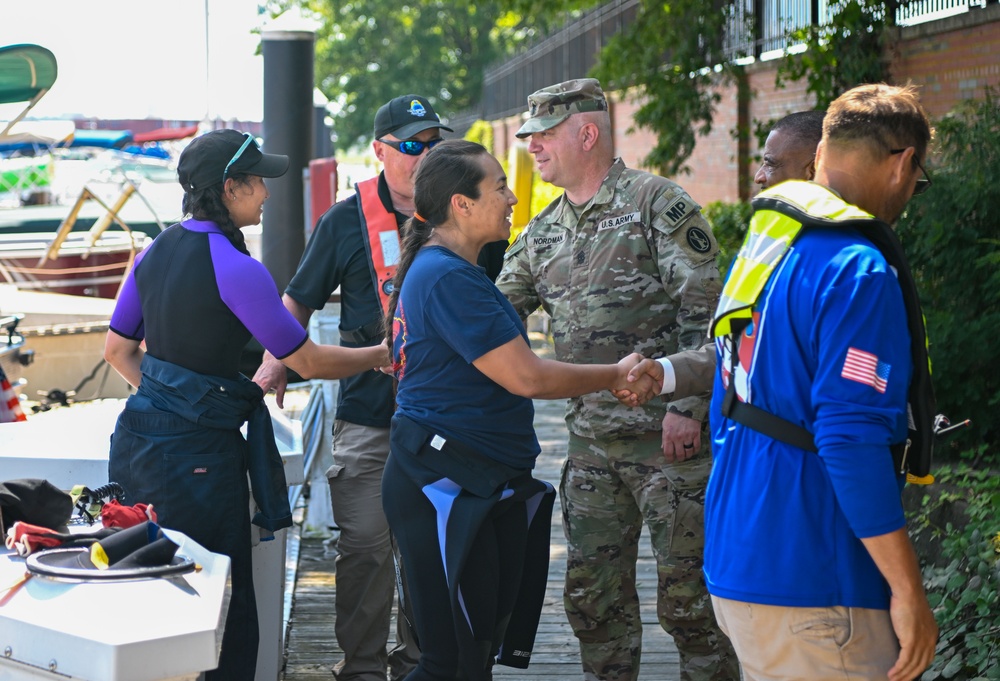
[(622, 262)]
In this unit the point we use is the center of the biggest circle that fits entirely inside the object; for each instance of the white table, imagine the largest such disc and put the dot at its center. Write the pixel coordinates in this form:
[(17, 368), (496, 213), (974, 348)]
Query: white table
[(139, 630), (69, 446)]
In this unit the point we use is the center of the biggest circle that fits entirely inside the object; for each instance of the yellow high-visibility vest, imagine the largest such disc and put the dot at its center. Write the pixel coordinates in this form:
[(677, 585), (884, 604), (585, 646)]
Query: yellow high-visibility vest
[(769, 237), (780, 213)]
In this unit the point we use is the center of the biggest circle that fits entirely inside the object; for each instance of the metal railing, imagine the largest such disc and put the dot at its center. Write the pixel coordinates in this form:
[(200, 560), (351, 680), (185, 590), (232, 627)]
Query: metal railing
[(920, 11), (569, 53), (754, 28)]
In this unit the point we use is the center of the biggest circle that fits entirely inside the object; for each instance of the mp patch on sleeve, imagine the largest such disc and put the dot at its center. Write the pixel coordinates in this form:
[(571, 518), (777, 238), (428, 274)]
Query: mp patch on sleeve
[(679, 210)]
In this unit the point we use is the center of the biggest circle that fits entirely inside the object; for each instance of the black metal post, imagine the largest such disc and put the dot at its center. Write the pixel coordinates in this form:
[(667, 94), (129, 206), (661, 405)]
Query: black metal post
[(323, 145), (288, 129)]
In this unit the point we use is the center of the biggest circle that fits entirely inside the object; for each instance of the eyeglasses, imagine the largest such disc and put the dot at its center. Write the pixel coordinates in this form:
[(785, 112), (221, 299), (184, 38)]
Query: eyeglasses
[(924, 183), (239, 152), (411, 147)]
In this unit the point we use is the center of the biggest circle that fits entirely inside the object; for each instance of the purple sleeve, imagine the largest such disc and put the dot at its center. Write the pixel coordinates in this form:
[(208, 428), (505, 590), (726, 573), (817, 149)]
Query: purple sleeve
[(126, 320), (249, 291)]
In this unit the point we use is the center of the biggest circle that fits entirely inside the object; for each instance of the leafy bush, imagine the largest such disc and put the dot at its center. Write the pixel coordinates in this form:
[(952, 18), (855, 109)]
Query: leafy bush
[(951, 236), (729, 222), (848, 48), (481, 132), (963, 586)]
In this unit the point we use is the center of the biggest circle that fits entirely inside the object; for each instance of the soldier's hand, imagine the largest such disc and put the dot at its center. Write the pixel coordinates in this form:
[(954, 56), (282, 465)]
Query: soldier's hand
[(681, 437), (648, 368), (634, 391), (272, 375)]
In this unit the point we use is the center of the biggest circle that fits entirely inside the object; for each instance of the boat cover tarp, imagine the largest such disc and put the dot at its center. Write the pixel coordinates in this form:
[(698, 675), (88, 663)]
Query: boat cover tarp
[(103, 139), (36, 135), (25, 172), (25, 71), (165, 134)]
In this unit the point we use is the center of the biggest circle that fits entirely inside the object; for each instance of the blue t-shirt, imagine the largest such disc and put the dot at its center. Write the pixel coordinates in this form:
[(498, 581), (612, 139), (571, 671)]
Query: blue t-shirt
[(336, 259), (828, 350), (450, 314)]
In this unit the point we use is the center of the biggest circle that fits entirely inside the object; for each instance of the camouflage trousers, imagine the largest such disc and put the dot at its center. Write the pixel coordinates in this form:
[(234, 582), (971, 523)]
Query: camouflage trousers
[(608, 488)]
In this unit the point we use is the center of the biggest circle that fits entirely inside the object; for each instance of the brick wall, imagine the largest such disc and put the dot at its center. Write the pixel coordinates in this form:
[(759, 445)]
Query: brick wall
[(713, 168), (950, 60)]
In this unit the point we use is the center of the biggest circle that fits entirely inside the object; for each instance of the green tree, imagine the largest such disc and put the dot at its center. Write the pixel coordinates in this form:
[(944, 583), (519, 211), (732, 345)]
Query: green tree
[(952, 240), (369, 51), (672, 58), (667, 56), (850, 48)]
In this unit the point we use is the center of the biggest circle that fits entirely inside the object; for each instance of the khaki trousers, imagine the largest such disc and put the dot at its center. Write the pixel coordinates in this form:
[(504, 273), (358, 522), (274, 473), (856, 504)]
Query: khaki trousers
[(366, 577), (783, 643)]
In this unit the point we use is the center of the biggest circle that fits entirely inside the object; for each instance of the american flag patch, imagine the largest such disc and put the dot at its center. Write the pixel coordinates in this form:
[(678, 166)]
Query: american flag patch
[(864, 367)]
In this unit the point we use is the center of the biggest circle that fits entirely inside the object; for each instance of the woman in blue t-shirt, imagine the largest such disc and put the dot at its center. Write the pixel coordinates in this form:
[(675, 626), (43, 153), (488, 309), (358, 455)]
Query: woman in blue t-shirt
[(471, 522)]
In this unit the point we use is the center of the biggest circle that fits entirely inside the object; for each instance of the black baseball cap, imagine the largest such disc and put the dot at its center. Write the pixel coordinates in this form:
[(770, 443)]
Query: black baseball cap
[(406, 116), (204, 162)]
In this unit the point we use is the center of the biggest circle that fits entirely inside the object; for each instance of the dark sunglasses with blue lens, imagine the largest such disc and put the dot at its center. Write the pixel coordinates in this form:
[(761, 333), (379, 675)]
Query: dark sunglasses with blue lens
[(411, 147), (239, 152)]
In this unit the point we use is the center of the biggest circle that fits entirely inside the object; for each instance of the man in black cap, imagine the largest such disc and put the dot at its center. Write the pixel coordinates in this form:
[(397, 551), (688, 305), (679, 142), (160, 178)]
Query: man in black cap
[(354, 248)]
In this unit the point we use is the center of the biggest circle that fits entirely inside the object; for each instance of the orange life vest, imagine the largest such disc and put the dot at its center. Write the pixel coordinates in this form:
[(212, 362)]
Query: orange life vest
[(382, 242)]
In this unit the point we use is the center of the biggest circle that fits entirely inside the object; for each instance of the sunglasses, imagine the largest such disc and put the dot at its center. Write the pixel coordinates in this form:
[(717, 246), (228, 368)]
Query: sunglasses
[(239, 152), (411, 147), (924, 183)]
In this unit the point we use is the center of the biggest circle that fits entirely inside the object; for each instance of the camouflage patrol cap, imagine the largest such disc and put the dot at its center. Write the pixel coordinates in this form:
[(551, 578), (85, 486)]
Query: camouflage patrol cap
[(551, 105)]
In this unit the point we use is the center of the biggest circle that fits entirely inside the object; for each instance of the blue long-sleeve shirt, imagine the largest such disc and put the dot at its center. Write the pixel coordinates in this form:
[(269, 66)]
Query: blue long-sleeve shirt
[(828, 350)]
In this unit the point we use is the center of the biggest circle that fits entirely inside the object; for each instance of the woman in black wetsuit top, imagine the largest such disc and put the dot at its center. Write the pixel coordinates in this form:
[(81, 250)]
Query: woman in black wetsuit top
[(195, 297)]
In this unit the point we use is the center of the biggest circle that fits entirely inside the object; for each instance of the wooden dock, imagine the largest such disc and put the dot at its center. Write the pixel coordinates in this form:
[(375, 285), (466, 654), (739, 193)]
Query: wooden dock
[(311, 649)]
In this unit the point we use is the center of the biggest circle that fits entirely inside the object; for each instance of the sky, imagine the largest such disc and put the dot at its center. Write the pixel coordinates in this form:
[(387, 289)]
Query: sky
[(144, 58)]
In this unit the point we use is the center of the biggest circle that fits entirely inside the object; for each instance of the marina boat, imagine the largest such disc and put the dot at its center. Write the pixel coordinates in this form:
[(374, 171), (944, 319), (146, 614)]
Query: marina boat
[(64, 335), (76, 209), (92, 263), (129, 630)]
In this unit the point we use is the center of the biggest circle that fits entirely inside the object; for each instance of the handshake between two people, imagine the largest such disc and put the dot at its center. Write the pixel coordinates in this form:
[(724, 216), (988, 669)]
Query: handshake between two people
[(637, 381), (640, 380)]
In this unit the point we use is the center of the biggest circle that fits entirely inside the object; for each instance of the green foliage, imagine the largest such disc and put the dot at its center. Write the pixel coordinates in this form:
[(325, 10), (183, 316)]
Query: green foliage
[(369, 51), (964, 593), (845, 52), (730, 222), (951, 236), (550, 15), (675, 86), (481, 132)]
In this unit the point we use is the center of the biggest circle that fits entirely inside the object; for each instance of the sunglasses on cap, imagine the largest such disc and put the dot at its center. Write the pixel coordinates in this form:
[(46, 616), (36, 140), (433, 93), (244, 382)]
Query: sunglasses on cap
[(411, 147), (924, 183), (239, 152)]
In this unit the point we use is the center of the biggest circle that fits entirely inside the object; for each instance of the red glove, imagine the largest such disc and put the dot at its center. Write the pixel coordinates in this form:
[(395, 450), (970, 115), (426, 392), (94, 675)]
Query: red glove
[(114, 514), (26, 539)]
